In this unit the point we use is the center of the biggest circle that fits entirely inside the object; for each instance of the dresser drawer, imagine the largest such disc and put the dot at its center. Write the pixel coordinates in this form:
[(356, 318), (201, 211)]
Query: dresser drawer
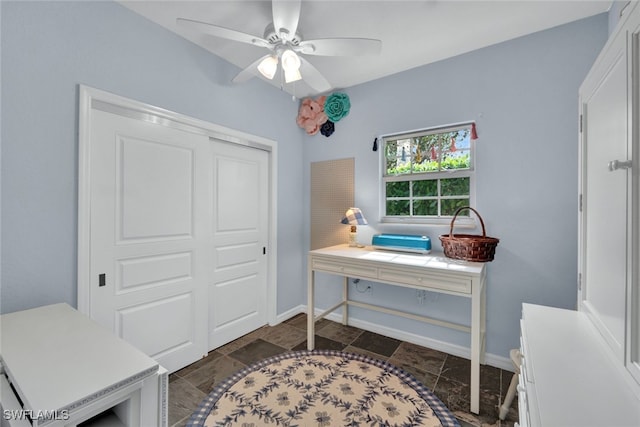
[(434, 281), (523, 403), (345, 269), (12, 411)]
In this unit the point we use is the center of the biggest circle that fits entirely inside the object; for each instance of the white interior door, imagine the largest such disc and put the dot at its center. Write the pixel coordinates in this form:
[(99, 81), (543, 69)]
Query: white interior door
[(150, 234), (605, 102), (238, 291)]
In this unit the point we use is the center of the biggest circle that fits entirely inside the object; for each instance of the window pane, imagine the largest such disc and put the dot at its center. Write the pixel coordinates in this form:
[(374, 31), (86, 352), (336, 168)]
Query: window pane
[(449, 207), (429, 148), (425, 207), (425, 188), (398, 207), (456, 152), (391, 149), (398, 189), (399, 156), (455, 187)]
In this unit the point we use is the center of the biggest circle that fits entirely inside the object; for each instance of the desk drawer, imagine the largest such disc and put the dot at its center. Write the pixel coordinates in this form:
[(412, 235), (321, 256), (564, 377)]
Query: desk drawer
[(435, 281), (345, 269)]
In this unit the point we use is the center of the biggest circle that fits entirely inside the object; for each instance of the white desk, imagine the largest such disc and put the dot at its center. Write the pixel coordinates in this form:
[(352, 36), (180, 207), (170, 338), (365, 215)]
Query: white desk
[(432, 272), (65, 369)]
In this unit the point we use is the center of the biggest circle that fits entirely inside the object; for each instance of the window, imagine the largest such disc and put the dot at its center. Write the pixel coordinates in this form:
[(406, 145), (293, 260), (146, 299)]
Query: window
[(427, 174)]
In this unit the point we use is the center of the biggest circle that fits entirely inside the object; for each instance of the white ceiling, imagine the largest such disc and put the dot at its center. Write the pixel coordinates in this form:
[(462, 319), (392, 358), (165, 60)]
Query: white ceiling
[(413, 33)]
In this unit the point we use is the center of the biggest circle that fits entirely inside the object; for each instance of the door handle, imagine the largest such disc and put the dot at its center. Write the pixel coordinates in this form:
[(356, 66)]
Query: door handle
[(619, 164)]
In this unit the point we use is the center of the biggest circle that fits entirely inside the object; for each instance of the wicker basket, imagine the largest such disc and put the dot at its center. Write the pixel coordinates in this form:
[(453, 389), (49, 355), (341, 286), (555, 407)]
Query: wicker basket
[(469, 247)]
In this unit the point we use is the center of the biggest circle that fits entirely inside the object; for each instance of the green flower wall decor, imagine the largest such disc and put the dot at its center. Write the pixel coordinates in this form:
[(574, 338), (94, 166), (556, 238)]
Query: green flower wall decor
[(321, 114)]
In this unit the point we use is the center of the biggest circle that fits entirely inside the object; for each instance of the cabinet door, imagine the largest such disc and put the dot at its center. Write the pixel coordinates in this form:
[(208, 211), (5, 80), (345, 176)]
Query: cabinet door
[(605, 98)]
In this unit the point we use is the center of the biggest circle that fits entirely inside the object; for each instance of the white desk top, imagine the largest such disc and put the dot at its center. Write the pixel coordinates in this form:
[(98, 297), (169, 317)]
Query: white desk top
[(57, 358), (434, 260)]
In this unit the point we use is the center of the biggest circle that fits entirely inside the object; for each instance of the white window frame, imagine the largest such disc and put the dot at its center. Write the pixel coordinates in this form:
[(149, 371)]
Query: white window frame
[(464, 221)]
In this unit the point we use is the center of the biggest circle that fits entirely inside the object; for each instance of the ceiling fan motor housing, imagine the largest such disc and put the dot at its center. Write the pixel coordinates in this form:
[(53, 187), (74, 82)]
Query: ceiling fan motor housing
[(273, 37)]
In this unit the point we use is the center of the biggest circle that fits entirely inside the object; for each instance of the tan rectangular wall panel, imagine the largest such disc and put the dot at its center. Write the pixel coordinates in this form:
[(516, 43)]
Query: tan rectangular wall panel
[(332, 193)]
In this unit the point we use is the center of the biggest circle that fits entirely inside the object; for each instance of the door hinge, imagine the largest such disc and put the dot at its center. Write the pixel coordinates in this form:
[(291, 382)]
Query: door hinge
[(580, 203), (102, 279), (264, 250), (579, 281), (580, 123)]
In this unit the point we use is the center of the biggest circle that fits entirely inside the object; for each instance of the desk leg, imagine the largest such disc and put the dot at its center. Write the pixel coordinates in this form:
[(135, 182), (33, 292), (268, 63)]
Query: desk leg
[(483, 320), (476, 333), (310, 311), (345, 298)]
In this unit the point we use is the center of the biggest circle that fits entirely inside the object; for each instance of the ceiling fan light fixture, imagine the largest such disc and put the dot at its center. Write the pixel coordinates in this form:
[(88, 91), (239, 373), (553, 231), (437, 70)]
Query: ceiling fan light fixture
[(268, 66), (292, 76), (291, 66)]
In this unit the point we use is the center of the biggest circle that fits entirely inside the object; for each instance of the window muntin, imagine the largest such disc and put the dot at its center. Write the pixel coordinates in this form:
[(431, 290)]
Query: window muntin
[(427, 174)]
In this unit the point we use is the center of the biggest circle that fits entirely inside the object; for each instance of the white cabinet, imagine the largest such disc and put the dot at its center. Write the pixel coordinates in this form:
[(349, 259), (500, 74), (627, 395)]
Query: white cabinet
[(59, 368), (582, 367), (609, 116), (609, 235), (568, 375)]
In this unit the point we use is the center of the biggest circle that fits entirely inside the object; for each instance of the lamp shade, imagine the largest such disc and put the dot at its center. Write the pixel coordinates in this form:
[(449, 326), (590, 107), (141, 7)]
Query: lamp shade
[(268, 66), (291, 66), (354, 216)]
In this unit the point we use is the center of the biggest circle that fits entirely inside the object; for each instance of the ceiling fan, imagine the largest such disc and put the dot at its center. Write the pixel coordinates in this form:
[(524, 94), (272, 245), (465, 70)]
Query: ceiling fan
[(287, 46)]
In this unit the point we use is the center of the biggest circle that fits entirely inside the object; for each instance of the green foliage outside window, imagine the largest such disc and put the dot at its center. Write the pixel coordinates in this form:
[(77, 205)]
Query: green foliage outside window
[(425, 195), (428, 153), (449, 163)]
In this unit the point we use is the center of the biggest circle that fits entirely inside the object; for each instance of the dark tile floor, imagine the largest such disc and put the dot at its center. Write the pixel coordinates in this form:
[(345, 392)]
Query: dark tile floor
[(446, 375)]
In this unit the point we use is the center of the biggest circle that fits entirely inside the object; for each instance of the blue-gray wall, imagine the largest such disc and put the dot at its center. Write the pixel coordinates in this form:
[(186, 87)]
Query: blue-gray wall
[(523, 94), (48, 48)]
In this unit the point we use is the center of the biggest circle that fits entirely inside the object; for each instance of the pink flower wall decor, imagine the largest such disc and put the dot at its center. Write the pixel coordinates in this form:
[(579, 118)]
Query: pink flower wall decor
[(311, 115)]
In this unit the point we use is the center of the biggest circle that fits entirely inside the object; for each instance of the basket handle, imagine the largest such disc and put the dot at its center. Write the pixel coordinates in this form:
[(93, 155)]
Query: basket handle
[(484, 234)]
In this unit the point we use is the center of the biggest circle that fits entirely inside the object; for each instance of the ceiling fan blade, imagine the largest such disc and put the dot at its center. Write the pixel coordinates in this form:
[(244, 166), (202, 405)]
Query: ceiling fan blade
[(222, 32), (286, 14), (249, 72), (312, 77), (340, 47)]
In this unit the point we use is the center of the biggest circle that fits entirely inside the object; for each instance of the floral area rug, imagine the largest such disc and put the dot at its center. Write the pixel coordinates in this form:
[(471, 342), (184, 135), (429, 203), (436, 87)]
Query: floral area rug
[(321, 388)]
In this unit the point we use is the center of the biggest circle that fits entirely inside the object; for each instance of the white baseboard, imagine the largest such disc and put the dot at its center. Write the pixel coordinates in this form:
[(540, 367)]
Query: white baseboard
[(290, 313), (454, 349)]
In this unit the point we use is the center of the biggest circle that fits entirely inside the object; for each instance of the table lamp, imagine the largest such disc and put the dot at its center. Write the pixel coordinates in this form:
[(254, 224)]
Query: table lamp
[(353, 217)]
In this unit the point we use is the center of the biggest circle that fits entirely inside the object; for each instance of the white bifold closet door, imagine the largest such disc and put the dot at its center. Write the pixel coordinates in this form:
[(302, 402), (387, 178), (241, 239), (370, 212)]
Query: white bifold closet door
[(178, 226), (238, 291)]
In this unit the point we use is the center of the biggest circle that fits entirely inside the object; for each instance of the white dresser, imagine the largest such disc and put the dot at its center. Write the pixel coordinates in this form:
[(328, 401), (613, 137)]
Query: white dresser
[(568, 376), (60, 368)]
